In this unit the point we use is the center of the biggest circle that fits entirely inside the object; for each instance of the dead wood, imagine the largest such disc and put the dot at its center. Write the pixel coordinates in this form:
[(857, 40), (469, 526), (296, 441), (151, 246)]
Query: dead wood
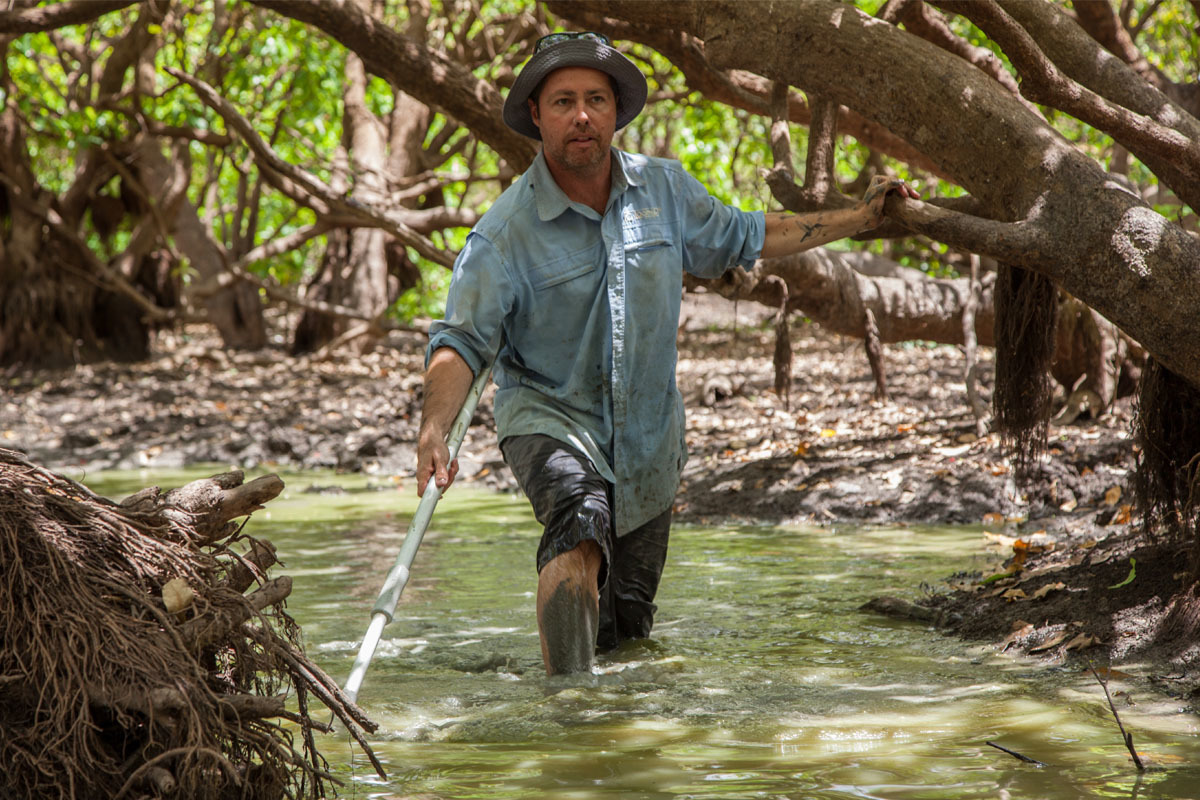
[(132, 664), (229, 613), (1126, 737), (1016, 755), (251, 567)]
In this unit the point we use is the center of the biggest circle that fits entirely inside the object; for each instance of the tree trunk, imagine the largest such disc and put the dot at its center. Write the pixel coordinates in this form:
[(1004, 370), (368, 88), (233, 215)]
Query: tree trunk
[(354, 269), (839, 290), (51, 312), (363, 268), (1049, 207)]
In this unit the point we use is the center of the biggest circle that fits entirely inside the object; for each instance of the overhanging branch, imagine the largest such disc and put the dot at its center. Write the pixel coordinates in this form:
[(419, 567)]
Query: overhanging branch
[(1044, 82), (427, 74), (1019, 243), (38, 20), (735, 87), (308, 186)]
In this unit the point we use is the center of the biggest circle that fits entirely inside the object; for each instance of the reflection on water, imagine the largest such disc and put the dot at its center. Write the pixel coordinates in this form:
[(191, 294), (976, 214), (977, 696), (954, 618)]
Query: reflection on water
[(762, 679)]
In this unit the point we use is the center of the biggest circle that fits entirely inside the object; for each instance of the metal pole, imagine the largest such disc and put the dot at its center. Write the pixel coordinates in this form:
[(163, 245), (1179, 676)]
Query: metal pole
[(397, 578)]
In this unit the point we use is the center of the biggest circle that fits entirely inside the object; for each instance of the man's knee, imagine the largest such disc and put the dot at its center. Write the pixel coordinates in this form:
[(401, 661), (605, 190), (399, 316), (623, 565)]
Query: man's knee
[(580, 564)]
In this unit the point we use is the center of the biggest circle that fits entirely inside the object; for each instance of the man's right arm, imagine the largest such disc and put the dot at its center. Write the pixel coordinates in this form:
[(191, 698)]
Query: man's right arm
[(447, 382)]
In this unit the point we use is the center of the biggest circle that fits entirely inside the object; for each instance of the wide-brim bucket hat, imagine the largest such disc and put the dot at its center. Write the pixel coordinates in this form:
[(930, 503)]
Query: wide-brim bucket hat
[(582, 52)]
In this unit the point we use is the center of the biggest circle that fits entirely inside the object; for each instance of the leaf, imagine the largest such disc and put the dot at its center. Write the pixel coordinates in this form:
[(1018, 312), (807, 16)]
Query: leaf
[(177, 595), (1129, 578), (1014, 594), (1108, 673), (1051, 643), (1047, 589), (1112, 496), (1082, 642), (1123, 515), (1021, 632)]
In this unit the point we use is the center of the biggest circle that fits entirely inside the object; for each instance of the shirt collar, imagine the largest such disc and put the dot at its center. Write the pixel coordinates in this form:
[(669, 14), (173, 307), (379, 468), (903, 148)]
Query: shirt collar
[(553, 201)]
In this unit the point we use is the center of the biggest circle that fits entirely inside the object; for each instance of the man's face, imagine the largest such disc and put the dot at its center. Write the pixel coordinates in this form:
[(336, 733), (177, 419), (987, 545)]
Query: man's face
[(577, 115)]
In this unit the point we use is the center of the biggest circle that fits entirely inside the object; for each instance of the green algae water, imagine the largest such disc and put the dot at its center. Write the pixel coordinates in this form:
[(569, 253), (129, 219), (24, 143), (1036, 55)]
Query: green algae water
[(762, 678)]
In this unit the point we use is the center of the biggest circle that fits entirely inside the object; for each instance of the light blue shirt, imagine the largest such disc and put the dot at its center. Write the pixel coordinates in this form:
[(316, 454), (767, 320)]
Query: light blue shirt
[(583, 311)]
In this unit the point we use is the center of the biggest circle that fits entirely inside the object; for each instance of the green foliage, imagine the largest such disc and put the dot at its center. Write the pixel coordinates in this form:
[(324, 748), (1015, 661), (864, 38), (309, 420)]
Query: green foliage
[(1128, 578), (287, 79), (1168, 39)]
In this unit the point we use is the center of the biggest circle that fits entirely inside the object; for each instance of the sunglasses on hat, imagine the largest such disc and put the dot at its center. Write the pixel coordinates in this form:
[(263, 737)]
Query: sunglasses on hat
[(552, 39)]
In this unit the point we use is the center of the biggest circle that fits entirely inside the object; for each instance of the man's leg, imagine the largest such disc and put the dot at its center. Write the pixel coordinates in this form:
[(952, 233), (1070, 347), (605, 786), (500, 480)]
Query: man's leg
[(568, 609), (627, 602), (572, 501)]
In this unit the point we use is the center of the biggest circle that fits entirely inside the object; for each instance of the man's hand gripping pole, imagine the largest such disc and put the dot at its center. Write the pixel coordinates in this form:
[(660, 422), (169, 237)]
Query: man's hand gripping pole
[(397, 578)]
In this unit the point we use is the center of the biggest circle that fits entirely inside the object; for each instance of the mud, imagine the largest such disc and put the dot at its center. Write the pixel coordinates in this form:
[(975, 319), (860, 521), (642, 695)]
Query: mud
[(831, 454)]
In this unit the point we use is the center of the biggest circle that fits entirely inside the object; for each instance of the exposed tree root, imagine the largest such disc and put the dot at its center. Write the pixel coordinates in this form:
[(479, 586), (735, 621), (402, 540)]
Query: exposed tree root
[(1026, 313), (1167, 481), (132, 665)]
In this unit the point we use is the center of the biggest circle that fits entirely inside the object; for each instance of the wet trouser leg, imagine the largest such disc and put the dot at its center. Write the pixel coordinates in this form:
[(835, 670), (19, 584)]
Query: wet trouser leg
[(626, 602), (570, 499), (574, 504)]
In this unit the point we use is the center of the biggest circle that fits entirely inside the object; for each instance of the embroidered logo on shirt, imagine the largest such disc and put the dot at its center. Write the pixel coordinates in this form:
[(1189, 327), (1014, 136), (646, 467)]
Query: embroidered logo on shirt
[(642, 213)]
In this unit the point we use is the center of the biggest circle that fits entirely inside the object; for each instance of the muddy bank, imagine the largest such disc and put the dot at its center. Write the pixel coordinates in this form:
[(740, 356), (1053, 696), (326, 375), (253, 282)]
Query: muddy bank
[(833, 454)]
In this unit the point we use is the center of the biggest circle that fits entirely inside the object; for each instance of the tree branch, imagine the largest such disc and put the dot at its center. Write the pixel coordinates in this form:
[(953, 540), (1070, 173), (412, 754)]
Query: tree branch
[(1085, 51), (1042, 81), (238, 272), (426, 74), (38, 20), (821, 159), (1018, 243), (308, 185), (781, 178), (920, 20), (736, 88), (282, 244), (825, 286)]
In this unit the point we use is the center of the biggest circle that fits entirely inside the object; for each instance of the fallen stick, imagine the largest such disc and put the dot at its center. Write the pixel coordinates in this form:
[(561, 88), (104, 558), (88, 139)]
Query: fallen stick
[(1017, 755), (1125, 736)]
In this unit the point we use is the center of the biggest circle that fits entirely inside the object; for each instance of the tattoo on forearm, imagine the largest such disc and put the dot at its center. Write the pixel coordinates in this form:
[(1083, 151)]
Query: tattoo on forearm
[(810, 228)]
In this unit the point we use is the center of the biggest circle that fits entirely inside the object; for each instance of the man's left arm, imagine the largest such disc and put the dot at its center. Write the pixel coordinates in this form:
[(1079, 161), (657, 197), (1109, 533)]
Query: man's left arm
[(788, 233)]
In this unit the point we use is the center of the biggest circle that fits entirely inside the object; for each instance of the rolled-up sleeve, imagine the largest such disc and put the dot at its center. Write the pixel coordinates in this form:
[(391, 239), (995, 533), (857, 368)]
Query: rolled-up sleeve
[(717, 237), (479, 298)]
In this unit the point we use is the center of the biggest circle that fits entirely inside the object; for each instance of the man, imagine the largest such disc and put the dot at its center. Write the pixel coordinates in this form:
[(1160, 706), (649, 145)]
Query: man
[(572, 282)]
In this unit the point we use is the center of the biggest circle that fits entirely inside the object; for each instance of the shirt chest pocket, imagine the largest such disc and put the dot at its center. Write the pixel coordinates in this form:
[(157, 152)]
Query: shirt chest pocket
[(560, 272), (652, 247)]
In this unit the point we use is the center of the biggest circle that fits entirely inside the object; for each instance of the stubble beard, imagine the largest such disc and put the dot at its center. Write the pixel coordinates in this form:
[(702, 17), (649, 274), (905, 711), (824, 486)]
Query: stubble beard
[(582, 163)]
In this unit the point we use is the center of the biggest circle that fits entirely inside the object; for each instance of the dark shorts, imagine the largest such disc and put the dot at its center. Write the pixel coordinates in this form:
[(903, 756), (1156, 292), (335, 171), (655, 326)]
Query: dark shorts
[(573, 503)]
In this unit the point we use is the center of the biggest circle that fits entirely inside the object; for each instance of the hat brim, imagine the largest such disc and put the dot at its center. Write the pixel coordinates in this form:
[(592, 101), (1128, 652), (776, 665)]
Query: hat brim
[(631, 84)]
